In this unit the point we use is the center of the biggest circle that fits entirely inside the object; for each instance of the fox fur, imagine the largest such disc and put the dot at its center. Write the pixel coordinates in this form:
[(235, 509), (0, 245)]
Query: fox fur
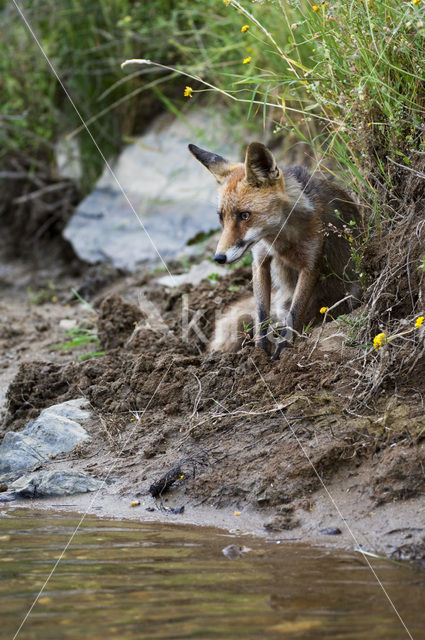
[(298, 227)]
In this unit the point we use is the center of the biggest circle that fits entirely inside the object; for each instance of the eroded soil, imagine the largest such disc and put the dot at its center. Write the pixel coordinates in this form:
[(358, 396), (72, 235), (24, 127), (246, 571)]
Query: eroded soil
[(284, 444)]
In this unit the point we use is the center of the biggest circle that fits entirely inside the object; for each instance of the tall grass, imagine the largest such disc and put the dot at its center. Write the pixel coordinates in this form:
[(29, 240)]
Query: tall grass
[(347, 78)]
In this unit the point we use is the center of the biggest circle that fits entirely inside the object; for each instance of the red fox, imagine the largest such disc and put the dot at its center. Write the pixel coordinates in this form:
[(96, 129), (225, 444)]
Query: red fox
[(298, 227)]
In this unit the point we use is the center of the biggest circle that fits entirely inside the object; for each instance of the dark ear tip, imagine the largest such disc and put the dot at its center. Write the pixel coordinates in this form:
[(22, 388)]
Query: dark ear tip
[(256, 146)]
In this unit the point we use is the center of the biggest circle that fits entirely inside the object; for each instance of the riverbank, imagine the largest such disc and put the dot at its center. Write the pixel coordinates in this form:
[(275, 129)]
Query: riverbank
[(249, 442)]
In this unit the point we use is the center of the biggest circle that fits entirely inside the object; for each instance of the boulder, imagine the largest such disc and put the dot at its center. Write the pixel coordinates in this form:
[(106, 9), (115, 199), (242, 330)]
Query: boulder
[(54, 483), (172, 195), (55, 431)]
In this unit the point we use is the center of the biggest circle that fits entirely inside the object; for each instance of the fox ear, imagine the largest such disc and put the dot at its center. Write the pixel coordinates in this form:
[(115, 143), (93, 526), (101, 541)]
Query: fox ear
[(260, 165), (219, 166)]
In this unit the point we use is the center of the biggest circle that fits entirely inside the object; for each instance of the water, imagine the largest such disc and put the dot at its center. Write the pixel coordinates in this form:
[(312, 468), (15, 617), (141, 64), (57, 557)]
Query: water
[(128, 580)]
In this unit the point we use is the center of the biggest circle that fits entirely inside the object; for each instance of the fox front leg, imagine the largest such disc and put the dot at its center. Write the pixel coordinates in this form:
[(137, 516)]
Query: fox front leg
[(305, 284), (261, 278)]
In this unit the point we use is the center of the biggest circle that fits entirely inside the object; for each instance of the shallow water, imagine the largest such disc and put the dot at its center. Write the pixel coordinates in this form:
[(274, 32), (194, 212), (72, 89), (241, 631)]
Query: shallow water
[(131, 580)]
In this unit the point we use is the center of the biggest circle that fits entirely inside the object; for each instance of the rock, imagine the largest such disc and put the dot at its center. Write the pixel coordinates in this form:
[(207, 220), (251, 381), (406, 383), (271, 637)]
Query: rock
[(54, 483), (72, 409), (19, 452), (67, 324), (197, 273), (172, 195), (55, 431)]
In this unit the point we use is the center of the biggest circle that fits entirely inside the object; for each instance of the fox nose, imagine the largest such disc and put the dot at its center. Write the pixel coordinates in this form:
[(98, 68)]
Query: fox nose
[(220, 258)]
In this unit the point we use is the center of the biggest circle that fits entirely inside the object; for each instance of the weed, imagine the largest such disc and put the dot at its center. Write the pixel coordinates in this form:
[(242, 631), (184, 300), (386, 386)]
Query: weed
[(79, 337), (214, 278)]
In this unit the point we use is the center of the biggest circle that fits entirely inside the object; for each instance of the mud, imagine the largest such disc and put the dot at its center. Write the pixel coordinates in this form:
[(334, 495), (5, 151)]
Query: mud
[(280, 443)]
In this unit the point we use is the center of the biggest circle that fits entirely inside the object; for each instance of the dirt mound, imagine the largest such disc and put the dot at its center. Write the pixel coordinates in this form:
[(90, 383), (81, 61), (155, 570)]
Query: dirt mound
[(117, 320), (240, 429)]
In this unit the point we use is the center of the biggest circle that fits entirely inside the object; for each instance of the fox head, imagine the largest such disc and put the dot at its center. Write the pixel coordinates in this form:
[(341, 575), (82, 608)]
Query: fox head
[(251, 197)]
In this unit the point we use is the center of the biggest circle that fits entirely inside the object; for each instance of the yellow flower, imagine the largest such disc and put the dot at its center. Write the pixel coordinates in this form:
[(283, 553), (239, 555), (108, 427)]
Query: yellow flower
[(415, 2), (315, 8), (237, 513), (245, 28), (127, 19), (379, 340), (188, 92), (246, 60), (323, 310), (227, 2), (419, 322), (54, 298)]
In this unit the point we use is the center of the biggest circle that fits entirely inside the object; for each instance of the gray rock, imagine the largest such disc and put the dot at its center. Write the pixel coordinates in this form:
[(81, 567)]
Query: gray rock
[(19, 452), (72, 409), (54, 483), (54, 431), (55, 434), (173, 196)]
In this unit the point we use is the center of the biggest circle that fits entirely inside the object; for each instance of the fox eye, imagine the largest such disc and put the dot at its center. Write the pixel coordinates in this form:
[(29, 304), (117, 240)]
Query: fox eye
[(245, 215), (220, 216)]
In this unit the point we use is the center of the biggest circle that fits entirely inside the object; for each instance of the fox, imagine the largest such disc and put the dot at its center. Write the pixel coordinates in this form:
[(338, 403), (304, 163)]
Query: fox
[(299, 228)]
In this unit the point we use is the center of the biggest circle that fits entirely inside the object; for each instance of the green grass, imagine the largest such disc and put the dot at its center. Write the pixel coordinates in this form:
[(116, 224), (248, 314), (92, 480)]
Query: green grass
[(79, 337), (346, 77)]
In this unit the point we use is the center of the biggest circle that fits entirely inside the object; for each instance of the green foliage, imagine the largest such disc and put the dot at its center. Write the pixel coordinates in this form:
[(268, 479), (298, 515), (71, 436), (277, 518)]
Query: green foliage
[(346, 77), (79, 337), (214, 278)]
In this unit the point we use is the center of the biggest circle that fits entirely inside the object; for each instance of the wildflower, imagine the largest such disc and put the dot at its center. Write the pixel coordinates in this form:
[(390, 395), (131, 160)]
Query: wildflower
[(188, 92), (127, 19), (134, 503), (245, 28), (237, 513), (227, 2), (419, 322), (415, 2), (379, 340), (54, 298), (350, 239), (315, 7), (246, 60), (323, 310)]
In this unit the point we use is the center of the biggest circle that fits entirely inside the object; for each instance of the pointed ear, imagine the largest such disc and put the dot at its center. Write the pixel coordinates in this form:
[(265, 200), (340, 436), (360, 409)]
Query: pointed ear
[(219, 166), (260, 165)]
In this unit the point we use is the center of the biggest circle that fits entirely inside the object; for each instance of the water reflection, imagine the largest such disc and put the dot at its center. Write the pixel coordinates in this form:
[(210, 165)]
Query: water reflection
[(148, 581)]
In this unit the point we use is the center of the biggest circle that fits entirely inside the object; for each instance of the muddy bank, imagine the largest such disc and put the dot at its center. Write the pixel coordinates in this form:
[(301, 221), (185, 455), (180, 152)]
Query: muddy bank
[(241, 433)]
